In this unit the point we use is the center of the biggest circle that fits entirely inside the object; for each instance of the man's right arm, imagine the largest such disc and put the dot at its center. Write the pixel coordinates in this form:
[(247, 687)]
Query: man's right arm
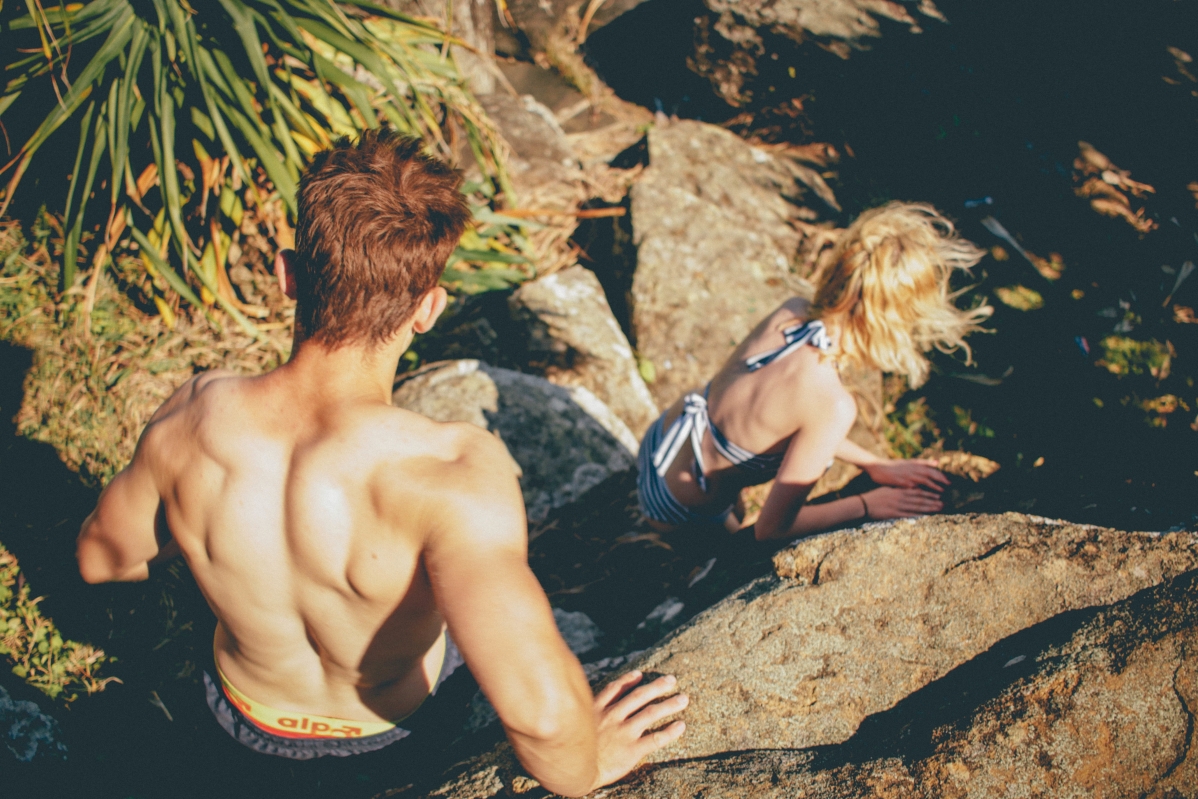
[(477, 560)]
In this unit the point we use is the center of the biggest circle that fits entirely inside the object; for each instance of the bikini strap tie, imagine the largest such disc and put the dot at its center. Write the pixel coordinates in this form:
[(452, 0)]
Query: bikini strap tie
[(813, 333), (691, 423)]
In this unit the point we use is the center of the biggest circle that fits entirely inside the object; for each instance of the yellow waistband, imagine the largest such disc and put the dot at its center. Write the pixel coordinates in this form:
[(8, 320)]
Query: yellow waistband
[(294, 724)]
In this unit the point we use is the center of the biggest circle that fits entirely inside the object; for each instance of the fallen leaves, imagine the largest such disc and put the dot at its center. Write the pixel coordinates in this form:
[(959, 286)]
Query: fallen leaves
[(1125, 356), (1020, 297), (966, 464), (1160, 407), (1110, 188)]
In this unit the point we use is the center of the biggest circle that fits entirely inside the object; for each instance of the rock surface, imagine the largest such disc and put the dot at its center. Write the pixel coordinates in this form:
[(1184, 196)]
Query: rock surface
[(542, 162), (712, 226), (1110, 712), (564, 439), (857, 620), (573, 333), (862, 636)]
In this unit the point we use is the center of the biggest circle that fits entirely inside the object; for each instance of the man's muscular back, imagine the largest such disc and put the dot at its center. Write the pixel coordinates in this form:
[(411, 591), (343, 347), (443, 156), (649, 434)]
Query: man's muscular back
[(303, 519), (335, 536)]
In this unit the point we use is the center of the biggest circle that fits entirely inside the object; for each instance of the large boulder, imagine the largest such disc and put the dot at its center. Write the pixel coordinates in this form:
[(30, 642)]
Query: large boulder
[(564, 438), (578, 342), (857, 624), (854, 621), (1109, 712), (711, 220)]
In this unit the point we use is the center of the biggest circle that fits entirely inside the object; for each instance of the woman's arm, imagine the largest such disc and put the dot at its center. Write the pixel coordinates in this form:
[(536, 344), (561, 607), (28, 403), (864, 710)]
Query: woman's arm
[(913, 473), (784, 514)]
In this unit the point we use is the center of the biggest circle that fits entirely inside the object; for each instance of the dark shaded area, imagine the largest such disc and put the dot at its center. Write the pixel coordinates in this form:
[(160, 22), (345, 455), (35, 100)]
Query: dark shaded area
[(474, 326), (598, 556), (642, 55), (993, 106), (608, 251)]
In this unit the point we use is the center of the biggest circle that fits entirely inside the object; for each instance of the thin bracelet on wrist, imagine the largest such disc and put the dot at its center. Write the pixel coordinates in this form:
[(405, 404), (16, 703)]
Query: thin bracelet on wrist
[(864, 506)]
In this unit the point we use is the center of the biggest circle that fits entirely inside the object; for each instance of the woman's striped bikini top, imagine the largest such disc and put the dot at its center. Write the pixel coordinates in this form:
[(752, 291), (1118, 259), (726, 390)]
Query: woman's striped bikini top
[(694, 418)]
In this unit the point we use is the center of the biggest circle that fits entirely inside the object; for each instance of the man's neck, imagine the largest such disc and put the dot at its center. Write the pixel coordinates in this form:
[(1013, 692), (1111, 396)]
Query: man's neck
[(350, 372)]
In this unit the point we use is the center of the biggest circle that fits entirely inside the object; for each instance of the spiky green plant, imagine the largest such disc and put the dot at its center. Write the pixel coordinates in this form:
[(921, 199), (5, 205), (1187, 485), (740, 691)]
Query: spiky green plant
[(223, 100)]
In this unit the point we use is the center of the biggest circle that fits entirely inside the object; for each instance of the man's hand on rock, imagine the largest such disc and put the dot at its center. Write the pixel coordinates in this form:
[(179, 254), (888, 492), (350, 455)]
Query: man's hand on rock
[(625, 715)]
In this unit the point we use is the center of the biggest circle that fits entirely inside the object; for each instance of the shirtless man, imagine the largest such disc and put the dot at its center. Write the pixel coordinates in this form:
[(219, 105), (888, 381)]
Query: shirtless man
[(336, 537)]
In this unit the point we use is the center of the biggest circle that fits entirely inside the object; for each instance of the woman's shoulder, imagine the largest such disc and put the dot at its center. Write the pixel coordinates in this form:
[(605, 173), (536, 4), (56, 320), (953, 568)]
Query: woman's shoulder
[(814, 376)]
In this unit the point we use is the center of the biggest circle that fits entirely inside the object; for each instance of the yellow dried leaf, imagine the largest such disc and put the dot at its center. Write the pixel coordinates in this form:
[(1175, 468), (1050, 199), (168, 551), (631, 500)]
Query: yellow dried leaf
[(966, 464), (1020, 297)]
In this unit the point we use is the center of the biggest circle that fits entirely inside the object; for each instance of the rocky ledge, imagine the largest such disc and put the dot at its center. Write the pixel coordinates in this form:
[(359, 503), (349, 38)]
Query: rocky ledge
[(946, 656)]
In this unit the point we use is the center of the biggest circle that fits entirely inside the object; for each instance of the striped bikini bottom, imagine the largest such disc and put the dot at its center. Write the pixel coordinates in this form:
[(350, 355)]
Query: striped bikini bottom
[(654, 495)]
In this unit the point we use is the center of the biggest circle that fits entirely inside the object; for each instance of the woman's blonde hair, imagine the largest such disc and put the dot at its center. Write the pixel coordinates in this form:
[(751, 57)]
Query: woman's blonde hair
[(888, 287)]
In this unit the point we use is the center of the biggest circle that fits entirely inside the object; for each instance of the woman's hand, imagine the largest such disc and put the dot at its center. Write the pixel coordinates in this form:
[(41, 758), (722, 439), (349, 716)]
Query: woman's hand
[(895, 503), (908, 474)]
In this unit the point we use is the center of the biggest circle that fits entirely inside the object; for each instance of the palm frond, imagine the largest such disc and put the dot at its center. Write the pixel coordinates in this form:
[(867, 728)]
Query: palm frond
[(240, 94)]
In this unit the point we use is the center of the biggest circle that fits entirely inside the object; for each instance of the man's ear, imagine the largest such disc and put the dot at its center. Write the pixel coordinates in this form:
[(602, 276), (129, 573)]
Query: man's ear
[(285, 271), (430, 308)]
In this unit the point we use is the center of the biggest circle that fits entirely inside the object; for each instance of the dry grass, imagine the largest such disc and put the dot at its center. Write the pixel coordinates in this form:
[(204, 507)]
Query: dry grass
[(40, 655), (91, 389)]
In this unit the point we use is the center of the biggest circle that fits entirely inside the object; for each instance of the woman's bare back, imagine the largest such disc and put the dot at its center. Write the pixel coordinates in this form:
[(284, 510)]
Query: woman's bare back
[(760, 411)]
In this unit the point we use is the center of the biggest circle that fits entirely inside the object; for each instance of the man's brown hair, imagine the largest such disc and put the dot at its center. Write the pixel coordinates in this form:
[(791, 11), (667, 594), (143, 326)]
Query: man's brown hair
[(377, 220)]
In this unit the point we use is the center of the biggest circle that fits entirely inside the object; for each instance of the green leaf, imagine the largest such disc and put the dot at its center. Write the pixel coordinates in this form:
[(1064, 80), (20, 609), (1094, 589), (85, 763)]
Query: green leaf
[(489, 256), (169, 275), (71, 246)]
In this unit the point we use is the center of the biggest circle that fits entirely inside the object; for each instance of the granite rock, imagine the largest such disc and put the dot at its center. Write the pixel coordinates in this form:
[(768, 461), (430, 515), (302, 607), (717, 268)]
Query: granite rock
[(572, 333), (711, 221), (1107, 712), (564, 438), (941, 656)]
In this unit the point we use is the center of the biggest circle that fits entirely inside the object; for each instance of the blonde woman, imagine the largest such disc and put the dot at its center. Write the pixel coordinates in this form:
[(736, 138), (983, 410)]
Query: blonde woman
[(777, 408)]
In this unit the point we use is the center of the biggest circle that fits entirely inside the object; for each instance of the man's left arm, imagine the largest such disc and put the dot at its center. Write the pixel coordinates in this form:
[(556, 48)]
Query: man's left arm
[(127, 530)]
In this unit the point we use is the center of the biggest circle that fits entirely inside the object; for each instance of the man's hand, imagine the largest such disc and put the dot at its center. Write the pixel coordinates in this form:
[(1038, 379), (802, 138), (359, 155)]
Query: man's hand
[(908, 474), (625, 714), (894, 503)]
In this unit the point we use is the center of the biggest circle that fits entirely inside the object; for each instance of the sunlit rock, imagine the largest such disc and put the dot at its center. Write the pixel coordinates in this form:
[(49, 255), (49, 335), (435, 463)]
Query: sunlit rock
[(565, 440), (573, 334), (943, 656)]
